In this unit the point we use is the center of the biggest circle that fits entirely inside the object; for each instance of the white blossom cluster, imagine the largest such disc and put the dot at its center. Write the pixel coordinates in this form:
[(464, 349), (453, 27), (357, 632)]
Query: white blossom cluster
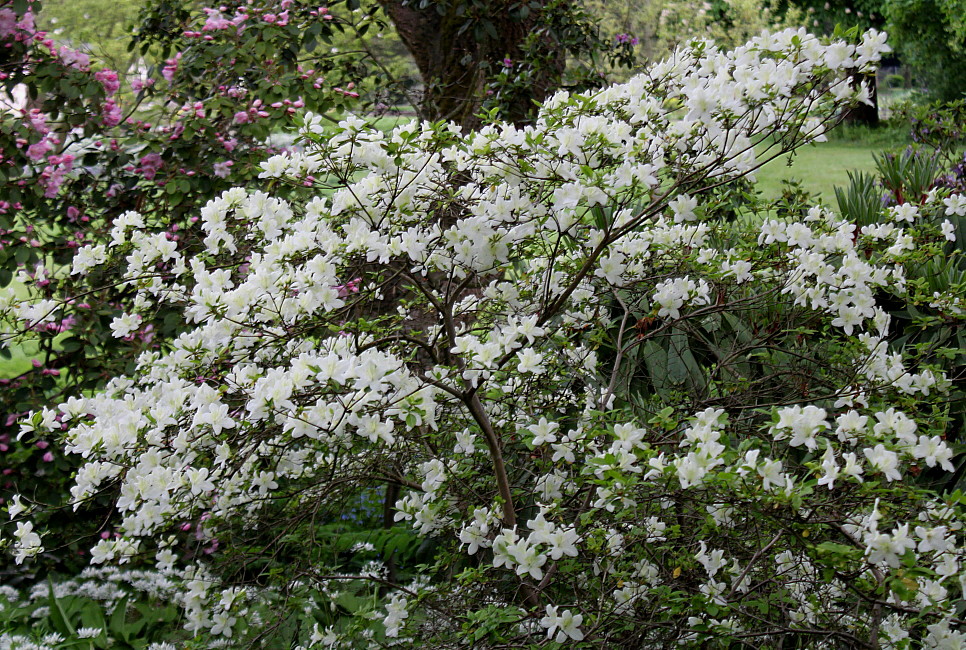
[(431, 316)]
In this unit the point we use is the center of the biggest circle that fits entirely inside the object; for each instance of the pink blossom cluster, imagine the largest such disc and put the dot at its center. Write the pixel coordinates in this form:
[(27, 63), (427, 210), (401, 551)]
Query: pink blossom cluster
[(110, 113), (20, 30), (149, 165), (137, 85), (171, 67), (54, 174), (257, 110), (75, 59), (109, 80), (349, 92)]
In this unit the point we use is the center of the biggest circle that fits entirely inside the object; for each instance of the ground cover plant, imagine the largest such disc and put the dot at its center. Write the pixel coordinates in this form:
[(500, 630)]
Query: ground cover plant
[(593, 406)]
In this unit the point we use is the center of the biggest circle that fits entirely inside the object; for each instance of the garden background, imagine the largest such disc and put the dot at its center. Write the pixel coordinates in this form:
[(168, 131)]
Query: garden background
[(578, 358)]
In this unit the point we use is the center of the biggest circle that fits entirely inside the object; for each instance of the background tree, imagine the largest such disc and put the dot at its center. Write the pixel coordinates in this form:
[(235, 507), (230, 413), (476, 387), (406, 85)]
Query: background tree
[(658, 27), (930, 35), (502, 54)]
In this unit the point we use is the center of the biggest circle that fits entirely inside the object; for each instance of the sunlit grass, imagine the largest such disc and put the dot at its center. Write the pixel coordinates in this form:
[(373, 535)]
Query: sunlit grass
[(21, 355), (819, 168), (823, 166)]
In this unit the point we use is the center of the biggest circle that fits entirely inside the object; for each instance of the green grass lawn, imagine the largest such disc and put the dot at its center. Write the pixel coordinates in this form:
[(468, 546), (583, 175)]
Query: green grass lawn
[(823, 166), (21, 355), (819, 168)]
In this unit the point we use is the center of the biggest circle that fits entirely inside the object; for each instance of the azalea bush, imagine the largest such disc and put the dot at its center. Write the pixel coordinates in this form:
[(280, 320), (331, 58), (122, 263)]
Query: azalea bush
[(594, 403)]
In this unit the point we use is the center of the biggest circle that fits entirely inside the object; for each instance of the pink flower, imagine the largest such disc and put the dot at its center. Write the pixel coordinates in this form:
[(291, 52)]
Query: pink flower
[(75, 59), (149, 165), (108, 79), (170, 67), (352, 286), (241, 117), (38, 150), (215, 21), (137, 85), (38, 121), (147, 334), (49, 457), (111, 113), (8, 23), (222, 169)]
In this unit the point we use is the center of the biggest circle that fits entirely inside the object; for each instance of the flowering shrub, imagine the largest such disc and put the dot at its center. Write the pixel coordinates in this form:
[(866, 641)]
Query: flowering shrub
[(87, 145), (612, 415)]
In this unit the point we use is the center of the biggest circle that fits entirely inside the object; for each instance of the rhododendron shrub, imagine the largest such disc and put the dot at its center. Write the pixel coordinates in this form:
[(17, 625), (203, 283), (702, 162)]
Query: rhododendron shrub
[(462, 318)]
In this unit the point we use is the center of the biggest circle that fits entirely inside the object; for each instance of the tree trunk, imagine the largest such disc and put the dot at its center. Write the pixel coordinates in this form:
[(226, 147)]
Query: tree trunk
[(456, 56)]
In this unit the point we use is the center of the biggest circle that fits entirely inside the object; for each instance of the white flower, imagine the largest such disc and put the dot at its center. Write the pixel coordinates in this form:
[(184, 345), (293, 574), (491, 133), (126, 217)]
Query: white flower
[(905, 212), (882, 547), (87, 258), (804, 424), (711, 562), (673, 294), (839, 55), (396, 614), (956, 204), (88, 632), (830, 468), (530, 361), (934, 451), (771, 474), (948, 230), (543, 432), (562, 541), (223, 624), (852, 467), (885, 461), (566, 623), (683, 208), (933, 539), (125, 324), (28, 542), (274, 167), (15, 507)]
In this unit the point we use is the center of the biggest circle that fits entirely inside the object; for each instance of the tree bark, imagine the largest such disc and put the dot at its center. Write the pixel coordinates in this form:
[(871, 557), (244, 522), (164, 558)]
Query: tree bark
[(456, 61)]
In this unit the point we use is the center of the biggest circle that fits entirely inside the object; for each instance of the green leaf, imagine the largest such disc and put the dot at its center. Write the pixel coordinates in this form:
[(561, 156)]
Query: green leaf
[(490, 29), (118, 625), (58, 617)]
